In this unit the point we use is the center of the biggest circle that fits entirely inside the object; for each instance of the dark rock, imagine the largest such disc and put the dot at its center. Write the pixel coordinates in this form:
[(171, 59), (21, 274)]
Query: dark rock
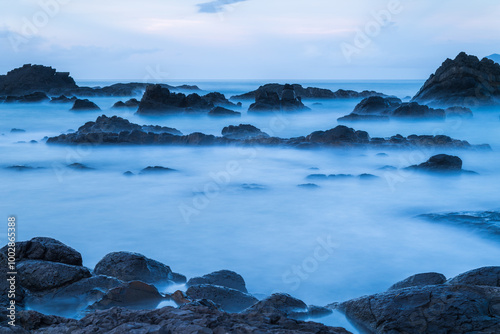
[(317, 177), (156, 170), (46, 249), (362, 118), (417, 111), (318, 311), (36, 275), (21, 168), (14, 130), (84, 105), (340, 176), (135, 294), (230, 300), (461, 112), (432, 309), (197, 317), (221, 111), (281, 302), (487, 222), (226, 278), (128, 173), (486, 276), (440, 163), (63, 99), (34, 78), (308, 186), (29, 98), (132, 103), (419, 280), (464, 81), (306, 93), (377, 105), (133, 267), (367, 177), (79, 166), (243, 131), (339, 135), (271, 101)]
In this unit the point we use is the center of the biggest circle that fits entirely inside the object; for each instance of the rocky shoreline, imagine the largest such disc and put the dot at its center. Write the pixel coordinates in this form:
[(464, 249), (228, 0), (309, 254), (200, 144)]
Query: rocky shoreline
[(121, 295)]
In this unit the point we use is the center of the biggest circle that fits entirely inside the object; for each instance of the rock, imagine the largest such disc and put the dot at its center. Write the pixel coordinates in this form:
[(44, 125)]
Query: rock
[(308, 186), (440, 163), (21, 168), (29, 98), (417, 111), (36, 275), (306, 93), (317, 177), (487, 222), (271, 101), (339, 135), (230, 300), (419, 280), (361, 118), (14, 130), (159, 100), (226, 278), (45, 249), (34, 78), (486, 276), (281, 302), (432, 309), (136, 267), (156, 170), (242, 132), (84, 105), (79, 166), (367, 177), (464, 81), (461, 112), (221, 111), (192, 318), (135, 294), (63, 99), (318, 311), (377, 105), (179, 298), (128, 173), (132, 103)]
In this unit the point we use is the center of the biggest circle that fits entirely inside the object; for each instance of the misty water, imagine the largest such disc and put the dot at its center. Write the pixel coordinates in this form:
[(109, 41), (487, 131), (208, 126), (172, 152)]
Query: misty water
[(241, 208)]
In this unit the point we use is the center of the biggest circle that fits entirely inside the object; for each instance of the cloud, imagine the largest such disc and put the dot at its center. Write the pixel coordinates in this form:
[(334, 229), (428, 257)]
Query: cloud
[(216, 6)]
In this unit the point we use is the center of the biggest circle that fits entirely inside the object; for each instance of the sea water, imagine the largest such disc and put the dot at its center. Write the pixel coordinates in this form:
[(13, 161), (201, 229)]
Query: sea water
[(241, 208)]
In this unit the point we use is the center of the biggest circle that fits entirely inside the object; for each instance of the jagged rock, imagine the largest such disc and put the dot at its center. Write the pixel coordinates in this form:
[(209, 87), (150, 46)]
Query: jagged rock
[(132, 103), (243, 131), (464, 81), (128, 266), (440, 163), (135, 294), (226, 278), (230, 300), (431, 309), (84, 105), (488, 276), (36, 275), (419, 280), (63, 99), (221, 111), (46, 249), (271, 101)]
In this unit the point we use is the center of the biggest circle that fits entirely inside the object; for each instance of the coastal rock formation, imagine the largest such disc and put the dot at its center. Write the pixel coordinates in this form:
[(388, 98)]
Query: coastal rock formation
[(440, 163), (223, 112), (419, 280), (29, 98), (305, 93), (464, 81), (84, 105), (377, 105), (131, 267), (110, 131), (230, 300), (226, 278), (159, 100), (287, 101), (132, 103)]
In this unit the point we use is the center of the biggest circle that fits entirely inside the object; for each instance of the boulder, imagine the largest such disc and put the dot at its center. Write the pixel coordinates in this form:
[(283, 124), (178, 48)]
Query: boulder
[(135, 294), (377, 105), (338, 135), (242, 132), (226, 278), (84, 105), (281, 302), (419, 280), (221, 111), (432, 309), (464, 81), (486, 276), (36, 275), (440, 163), (132, 103), (230, 300), (128, 266), (45, 249)]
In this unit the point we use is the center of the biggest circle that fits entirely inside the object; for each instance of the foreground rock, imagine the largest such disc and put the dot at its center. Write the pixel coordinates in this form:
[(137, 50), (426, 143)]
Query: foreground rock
[(306, 93), (226, 278), (230, 300), (159, 100), (84, 105), (110, 131), (128, 266), (198, 317), (287, 101), (487, 222), (135, 295), (486, 276), (419, 280), (440, 163), (464, 81)]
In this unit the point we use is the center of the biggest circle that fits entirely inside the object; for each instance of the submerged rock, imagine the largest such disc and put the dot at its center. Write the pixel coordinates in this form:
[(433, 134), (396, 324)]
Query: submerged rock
[(84, 105), (487, 222), (14, 130), (79, 166), (63, 99), (156, 170), (440, 163), (464, 81), (226, 278)]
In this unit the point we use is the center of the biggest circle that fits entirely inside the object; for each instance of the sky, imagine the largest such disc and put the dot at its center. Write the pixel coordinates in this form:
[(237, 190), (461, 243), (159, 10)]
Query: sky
[(161, 40)]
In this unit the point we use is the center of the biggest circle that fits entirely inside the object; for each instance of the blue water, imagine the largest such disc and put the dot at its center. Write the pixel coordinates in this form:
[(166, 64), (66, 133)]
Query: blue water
[(203, 218)]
